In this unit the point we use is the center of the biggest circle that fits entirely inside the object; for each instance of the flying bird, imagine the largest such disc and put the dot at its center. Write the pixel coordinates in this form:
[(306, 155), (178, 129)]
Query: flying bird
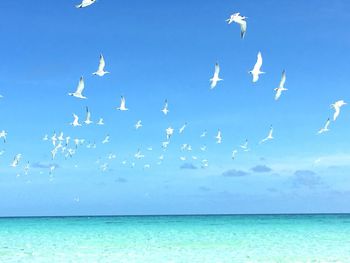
[(215, 79), (105, 140), (122, 104), (85, 3), (255, 72), (16, 160), (245, 146), (3, 135), (101, 67), (181, 130), (281, 86), (79, 92), (138, 125), (269, 136), (165, 109), (240, 20), (169, 132), (88, 117), (336, 106), (325, 128), (75, 122), (100, 122), (218, 137), (204, 133), (234, 153)]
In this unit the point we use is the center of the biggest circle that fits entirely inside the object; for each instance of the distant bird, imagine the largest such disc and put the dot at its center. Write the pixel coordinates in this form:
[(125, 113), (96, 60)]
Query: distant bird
[(165, 109), (161, 157), (181, 130), (183, 158), (245, 145), (169, 132), (54, 139), (281, 86), (88, 117), (16, 160), (215, 79), (100, 122), (3, 135), (101, 67), (336, 106), (46, 137), (325, 128), (122, 105), (204, 133), (150, 148), (85, 3), (165, 144), (139, 155), (105, 140), (61, 137), (218, 137), (75, 122), (26, 168), (234, 153), (79, 92), (269, 136), (138, 125), (240, 20), (256, 70), (203, 148), (104, 167)]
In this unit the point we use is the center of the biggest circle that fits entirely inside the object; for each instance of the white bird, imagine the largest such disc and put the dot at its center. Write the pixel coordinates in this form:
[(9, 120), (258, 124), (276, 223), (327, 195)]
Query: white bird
[(165, 144), (54, 139), (139, 155), (165, 109), (122, 105), (204, 133), (26, 168), (336, 106), (88, 117), (150, 148), (281, 86), (79, 92), (52, 169), (104, 167), (256, 70), (16, 160), (85, 3), (215, 79), (112, 156), (203, 148), (146, 166), (46, 137), (245, 145), (3, 135), (138, 125), (325, 128), (75, 122), (218, 137), (234, 153), (183, 158), (101, 68), (67, 140), (237, 18), (169, 132), (269, 136), (181, 130), (100, 122), (161, 157), (106, 140)]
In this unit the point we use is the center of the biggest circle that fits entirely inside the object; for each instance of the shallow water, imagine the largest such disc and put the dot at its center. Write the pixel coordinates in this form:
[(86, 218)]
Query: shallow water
[(264, 238)]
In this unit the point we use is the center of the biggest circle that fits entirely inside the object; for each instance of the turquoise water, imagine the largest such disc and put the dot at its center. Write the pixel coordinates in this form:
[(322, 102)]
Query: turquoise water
[(283, 238)]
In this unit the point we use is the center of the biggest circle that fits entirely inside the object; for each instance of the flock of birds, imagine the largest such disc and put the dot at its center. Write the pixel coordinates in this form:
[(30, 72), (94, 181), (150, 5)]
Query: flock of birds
[(67, 146)]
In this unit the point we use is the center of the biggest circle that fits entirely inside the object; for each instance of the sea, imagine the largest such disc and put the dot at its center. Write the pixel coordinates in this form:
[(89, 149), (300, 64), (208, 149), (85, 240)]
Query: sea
[(207, 238)]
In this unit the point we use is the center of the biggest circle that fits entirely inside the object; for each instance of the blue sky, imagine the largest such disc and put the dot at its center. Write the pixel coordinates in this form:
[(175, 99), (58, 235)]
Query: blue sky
[(167, 50)]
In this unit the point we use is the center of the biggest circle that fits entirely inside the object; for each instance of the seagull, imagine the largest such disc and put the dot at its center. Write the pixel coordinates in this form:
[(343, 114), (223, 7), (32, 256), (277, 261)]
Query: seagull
[(54, 139), (16, 160), (104, 167), (106, 140), (75, 123), (100, 122), (165, 110), (203, 148), (46, 137), (326, 127), (256, 70), (269, 136), (138, 155), (183, 158), (88, 117), (218, 137), (79, 91), (169, 132), (214, 81), (52, 169), (67, 140), (138, 125), (281, 86), (85, 3), (122, 105), (101, 68), (26, 168), (165, 144), (204, 133), (237, 18), (336, 106), (234, 153), (245, 145), (181, 130), (3, 134), (60, 137)]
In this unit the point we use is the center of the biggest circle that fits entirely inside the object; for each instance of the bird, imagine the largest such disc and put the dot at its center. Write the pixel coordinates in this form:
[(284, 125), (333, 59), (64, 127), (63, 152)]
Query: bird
[(3, 135), (46, 137), (181, 130), (101, 68), (54, 139), (269, 136), (100, 122), (88, 117), (139, 155), (61, 137), (218, 137), (16, 160), (75, 122), (234, 153), (122, 104), (255, 72), (204, 133), (281, 86), (165, 109), (215, 79), (79, 91), (325, 128), (26, 168), (169, 132), (105, 140), (245, 146), (85, 3), (138, 125), (203, 148), (336, 106), (240, 20), (183, 158)]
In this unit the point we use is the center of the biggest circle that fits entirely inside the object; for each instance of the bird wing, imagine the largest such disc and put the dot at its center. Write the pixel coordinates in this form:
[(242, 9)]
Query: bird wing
[(243, 25), (81, 86), (283, 79), (102, 63), (217, 70), (258, 63), (278, 93)]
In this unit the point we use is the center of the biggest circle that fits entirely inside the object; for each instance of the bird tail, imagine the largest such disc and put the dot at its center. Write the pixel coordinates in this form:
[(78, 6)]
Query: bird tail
[(79, 6)]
